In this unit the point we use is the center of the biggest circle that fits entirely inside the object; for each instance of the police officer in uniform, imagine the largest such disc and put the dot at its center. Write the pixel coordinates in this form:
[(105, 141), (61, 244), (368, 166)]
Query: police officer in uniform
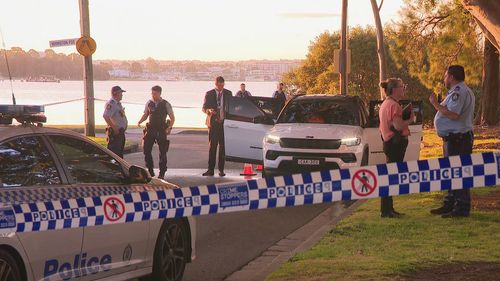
[(114, 115), (394, 131), (157, 109), (454, 124)]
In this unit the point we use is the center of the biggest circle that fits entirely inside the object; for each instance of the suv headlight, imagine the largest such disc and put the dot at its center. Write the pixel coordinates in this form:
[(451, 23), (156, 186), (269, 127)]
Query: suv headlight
[(272, 139), (350, 141)]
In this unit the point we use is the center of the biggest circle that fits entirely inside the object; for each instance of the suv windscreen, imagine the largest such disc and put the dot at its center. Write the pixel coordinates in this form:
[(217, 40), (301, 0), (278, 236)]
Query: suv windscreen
[(25, 161), (322, 111)]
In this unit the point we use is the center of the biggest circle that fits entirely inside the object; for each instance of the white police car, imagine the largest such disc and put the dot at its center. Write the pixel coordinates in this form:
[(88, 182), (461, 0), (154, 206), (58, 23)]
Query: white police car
[(40, 164), (312, 132)]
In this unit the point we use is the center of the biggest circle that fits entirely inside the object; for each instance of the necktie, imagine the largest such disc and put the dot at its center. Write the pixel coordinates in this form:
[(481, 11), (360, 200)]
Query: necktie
[(220, 105)]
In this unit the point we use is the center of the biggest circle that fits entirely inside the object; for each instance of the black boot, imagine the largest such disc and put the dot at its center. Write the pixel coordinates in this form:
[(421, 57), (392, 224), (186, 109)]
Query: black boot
[(441, 210)]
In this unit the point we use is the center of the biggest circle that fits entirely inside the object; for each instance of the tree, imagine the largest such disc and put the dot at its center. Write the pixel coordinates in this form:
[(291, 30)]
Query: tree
[(490, 86), (316, 74), (433, 34), (136, 67), (382, 63), (487, 14), (152, 65)]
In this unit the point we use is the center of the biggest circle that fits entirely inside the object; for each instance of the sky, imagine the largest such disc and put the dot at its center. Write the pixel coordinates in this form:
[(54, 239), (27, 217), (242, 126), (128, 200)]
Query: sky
[(207, 30)]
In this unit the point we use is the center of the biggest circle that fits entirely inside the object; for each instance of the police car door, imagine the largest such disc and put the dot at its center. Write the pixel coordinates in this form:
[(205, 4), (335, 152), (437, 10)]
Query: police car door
[(107, 249), (246, 123), (30, 174), (372, 133)]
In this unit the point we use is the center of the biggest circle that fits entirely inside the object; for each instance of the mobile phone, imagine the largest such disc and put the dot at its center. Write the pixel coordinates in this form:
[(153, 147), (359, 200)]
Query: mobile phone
[(407, 106)]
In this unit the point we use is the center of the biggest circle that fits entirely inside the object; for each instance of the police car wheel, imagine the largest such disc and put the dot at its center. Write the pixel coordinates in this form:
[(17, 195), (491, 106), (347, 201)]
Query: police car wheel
[(171, 251), (9, 270)]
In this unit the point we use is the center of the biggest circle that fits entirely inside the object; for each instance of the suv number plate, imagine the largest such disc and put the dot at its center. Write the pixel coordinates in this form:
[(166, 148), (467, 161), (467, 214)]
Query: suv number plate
[(308, 162)]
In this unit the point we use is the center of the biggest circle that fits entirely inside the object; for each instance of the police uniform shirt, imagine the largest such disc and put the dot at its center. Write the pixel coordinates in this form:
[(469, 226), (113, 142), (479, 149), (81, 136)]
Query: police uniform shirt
[(460, 100), (114, 110), (151, 106)]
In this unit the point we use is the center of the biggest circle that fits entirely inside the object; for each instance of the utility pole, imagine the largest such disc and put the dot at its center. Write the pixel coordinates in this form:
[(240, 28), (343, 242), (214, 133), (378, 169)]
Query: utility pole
[(343, 50), (88, 73)]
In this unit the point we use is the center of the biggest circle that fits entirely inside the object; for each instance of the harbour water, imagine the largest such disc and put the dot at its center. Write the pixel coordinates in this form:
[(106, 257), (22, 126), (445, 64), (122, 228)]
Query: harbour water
[(185, 96)]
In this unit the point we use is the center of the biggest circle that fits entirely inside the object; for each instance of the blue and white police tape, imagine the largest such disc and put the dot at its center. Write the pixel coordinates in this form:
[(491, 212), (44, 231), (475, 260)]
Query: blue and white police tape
[(456, 172)]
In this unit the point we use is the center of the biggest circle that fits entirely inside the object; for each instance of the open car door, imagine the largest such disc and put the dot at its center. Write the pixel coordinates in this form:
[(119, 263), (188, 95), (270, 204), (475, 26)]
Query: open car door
[(246, 123), (372, 133)]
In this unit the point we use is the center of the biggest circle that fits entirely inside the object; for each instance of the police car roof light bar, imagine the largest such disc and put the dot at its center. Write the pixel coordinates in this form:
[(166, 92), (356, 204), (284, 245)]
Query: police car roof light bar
[(24, 114)]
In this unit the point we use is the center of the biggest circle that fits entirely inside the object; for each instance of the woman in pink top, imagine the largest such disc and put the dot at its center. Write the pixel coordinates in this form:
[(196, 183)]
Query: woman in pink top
[(394, 131)]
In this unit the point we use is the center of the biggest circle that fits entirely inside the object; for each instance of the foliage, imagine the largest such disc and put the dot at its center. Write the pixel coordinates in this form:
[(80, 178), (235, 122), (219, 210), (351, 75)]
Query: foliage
[(316, 74), (433, 34), (34, 64)]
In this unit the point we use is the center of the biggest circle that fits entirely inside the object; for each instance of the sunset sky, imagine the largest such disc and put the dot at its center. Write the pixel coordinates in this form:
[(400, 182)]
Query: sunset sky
[(185, 29)]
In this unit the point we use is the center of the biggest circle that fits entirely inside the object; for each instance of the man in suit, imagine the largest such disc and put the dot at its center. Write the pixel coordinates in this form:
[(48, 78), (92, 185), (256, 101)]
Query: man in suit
[(214, 107)]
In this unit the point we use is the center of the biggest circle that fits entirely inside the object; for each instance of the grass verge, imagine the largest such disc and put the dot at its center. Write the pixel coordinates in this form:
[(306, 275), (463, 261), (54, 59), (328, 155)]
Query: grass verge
[(366, 247)]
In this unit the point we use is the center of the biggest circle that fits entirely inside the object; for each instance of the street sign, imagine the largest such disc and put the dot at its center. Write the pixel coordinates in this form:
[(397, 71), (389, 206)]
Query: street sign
[(86, 46), (62, 42)]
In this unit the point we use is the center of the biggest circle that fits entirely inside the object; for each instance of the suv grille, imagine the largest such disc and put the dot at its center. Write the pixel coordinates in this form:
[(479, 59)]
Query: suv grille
[(309, 143)]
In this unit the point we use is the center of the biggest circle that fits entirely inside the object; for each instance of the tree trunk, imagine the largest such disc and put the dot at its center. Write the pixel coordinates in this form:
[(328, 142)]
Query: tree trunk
[(490, 85), (487, 15), (380, 45)]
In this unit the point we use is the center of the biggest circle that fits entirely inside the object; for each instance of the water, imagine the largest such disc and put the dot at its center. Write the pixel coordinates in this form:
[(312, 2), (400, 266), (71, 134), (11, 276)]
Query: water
[(188, 94)]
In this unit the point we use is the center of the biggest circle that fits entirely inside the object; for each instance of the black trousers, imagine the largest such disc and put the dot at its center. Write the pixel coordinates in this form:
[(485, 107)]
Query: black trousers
[(159, 136), (216, 138), (116, 143), (394, 151), (461, 144)]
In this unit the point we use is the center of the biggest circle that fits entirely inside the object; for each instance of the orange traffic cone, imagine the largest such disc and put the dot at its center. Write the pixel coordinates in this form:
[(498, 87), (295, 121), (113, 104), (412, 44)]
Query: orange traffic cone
[(259, 168), (248, 170)]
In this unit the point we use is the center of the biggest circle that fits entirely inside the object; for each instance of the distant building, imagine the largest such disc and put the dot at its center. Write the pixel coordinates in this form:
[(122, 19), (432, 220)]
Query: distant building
[(119, 73)]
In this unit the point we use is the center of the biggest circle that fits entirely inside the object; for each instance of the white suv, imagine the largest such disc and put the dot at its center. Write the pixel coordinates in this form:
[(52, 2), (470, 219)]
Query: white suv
[(313, 132)]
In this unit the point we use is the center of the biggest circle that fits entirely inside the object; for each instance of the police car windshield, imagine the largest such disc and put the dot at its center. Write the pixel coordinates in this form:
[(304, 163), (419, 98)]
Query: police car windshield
[(321, 111)]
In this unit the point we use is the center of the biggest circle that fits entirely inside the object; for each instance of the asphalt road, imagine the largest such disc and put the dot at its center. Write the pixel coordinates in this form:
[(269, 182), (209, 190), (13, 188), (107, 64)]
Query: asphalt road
[(225, 242)]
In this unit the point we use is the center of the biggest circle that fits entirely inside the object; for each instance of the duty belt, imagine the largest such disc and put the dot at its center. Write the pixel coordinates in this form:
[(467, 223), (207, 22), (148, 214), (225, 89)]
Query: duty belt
[(457, 136)]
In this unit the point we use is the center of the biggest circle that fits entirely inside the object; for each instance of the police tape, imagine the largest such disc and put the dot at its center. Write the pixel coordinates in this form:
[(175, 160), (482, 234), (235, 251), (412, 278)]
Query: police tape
[(456, 172)]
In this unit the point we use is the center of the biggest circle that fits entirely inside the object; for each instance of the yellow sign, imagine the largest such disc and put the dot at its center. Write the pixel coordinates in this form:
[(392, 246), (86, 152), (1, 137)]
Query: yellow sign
[(86, 46)]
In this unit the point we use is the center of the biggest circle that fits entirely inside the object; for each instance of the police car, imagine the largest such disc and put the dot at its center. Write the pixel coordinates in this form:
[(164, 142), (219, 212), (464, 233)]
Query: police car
[(39, 164), (311, 133)]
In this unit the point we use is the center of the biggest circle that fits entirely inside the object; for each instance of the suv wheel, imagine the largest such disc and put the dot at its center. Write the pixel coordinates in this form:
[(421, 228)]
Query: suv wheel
[(364, 160), (9, 270), (171, 251)]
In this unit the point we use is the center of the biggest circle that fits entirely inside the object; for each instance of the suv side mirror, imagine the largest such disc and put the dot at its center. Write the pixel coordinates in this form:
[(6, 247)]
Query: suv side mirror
[(138, 174)]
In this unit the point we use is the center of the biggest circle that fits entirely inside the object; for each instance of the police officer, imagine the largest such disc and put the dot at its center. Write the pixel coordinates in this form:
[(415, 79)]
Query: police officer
[(394, 131), (157, 129), (453, 123), (114, 115)]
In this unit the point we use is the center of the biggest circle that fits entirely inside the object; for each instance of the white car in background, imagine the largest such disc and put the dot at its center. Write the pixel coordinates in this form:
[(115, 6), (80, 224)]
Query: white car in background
[(311, 133)]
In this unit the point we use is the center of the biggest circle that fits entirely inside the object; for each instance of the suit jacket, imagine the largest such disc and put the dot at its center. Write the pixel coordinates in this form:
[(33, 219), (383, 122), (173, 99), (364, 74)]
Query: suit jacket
[(210, 102)]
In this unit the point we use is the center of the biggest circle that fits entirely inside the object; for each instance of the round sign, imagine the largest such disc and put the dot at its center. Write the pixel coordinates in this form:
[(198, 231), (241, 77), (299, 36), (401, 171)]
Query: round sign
[(86, 46), (364, 182), (114, 209)]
